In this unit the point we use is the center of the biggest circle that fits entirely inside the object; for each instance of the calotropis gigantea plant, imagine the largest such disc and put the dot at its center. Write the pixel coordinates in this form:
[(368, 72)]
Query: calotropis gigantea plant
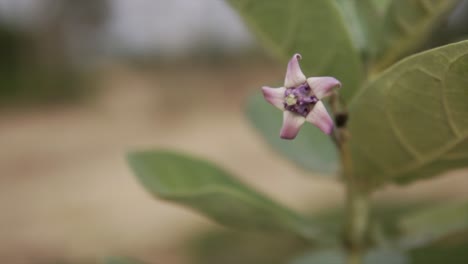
[(400, 116)]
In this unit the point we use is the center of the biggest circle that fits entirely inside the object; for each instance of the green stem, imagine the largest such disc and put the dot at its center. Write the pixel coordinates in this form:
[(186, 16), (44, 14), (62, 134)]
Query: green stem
[(357, 207), (357, 210), (357, 200)]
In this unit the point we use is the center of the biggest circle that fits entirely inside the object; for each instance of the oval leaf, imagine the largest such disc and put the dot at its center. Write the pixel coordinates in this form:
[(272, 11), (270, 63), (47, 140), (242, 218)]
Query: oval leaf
[(311, 150), (313, 28), (330, 256), (232, 247), (213, 192), (363, 21), (425, 226), (452, 251), (412, 121), (407, 25), (338, 256), (386, 256)]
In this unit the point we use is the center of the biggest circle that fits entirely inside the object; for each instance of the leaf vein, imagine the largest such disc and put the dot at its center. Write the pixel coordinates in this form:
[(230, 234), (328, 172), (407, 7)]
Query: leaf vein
[(399, 135), (447, 112), (450, 60), (428, 73), (426, 159), (417, 107)]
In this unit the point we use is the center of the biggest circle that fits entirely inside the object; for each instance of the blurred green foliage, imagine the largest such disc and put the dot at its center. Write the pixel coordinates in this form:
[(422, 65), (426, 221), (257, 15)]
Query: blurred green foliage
[(232, 247), (252, 248), (26, 79), (406, 26)]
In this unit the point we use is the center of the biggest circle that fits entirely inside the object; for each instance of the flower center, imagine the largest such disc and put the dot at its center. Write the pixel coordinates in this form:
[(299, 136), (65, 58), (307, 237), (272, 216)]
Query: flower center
[(299, 99), (291, 99)]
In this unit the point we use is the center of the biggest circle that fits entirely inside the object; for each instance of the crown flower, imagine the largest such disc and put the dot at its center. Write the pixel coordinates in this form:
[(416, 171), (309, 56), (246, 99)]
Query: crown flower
[(300, 100)]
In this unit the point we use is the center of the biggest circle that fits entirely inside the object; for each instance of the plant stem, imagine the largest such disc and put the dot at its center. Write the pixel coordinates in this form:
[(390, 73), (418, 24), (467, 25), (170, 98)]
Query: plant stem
[(357, 210), (357, 200)]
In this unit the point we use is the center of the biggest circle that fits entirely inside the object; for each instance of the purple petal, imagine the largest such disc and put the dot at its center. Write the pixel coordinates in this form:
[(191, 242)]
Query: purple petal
[(291, 125), (274, 96), (323, 86), (294, 75), (320, 118)]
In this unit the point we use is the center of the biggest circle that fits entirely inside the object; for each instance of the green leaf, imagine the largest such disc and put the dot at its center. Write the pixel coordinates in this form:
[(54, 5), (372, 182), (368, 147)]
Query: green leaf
[(382, 5), (386, 256), (229, 247), (407, 25), (233, 247), (330, 256), (428, 225), (363, 21), (452, 251), (311, 150), (411, 121), (313, 28), (213, 192), (337, 256)]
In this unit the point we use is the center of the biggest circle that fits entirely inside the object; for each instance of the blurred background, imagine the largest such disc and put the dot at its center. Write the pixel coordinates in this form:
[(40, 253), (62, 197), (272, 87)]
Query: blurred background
[(83, 82)]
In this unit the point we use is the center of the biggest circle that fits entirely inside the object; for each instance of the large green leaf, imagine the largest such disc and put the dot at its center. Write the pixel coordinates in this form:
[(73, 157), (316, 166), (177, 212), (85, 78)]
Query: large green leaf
[(407, 25), (363, 21), (428, 225), (233, 247), (312, 149), (338, 256), (452, 251), (386, 256), (213, 192), (329, 256), (313, 28), (412, 121), (381, 5)]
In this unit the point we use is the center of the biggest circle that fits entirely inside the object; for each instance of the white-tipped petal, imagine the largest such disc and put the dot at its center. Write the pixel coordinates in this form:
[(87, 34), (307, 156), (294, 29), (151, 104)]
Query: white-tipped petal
[(320, 118), (294, 75), (291, 125), (274, 96), (323, 86)]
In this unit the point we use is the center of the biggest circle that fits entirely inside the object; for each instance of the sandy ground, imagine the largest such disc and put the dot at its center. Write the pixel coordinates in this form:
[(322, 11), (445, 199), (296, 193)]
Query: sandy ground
[(67, 194)]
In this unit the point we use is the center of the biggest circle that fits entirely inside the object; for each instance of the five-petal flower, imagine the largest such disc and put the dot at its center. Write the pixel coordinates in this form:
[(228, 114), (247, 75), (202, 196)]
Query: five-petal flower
[(300, 100)]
